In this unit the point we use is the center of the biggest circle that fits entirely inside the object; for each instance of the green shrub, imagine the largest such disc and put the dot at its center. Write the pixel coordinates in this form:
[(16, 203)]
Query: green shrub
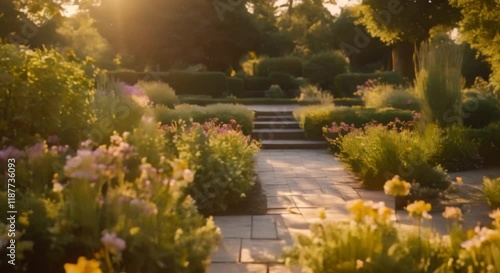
[(37, 100), (287, 83), (489, 142), (127, 76), (383, 96), (222, 112), (235, 86), (313, 118), (458, 151), (322, 68), (289, 65), (159, 93), (348, 83), (479, 110), (491, 191), (223, 158), (227, 112), (438, 82), (202, 83), (275, 91), (377, 153), (257, 83)]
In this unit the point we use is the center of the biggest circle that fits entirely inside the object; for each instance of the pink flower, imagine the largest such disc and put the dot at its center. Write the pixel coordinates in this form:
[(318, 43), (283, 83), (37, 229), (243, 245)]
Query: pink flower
[(10, 152), (113, 242), (409, 102)]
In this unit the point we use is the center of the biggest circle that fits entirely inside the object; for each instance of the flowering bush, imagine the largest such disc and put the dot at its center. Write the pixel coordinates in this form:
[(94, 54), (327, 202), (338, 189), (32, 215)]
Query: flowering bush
[(123, 213), (376, 153), (370, 242), (222, 157)]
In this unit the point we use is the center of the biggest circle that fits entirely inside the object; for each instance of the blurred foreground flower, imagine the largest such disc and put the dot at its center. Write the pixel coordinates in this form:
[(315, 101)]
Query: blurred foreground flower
[(453, 213), (397, 187), (83, 266), (113, 242), (419, 209)]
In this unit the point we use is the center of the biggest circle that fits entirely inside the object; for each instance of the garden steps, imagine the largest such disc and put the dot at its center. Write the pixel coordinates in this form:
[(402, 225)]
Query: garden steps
[(276, 128), (273, 125)]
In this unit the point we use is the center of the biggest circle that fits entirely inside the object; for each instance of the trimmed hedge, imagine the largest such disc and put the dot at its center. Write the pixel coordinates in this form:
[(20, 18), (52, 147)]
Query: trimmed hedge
[(313, 118), (203, 83), (235, 86), (203, 100), (287, 83), (257, 83), (212, 84), (346, 84), (127, 76), (290, 65), (222, 112)]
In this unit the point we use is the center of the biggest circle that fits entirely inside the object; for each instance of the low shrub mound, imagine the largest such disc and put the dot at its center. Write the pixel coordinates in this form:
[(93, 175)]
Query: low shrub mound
[(286, 82), (159, 93), (347, 84), (201, 83), (223, 159), (222, 112), (313, 118)]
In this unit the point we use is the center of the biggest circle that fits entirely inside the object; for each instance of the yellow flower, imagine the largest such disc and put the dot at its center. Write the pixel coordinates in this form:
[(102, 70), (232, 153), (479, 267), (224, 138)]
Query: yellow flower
[(83, 266), (408, 149), (459, 180), (452, 213), (396, 187), (419, 209), (322, 213)]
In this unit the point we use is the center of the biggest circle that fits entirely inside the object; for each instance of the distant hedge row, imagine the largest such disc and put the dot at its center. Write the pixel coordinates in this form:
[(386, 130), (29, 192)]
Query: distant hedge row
[(217, 84)]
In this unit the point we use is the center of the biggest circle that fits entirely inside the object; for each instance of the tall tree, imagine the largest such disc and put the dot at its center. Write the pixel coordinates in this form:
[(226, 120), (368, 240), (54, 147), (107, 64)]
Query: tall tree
[(404, 24), (159, 32), (480, 27), (310, 25)]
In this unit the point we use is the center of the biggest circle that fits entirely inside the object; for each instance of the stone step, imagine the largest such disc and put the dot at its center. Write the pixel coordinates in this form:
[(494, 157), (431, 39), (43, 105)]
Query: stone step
[(275, 118), (290, 134), (259, 113), (276, 124), (293, 144)]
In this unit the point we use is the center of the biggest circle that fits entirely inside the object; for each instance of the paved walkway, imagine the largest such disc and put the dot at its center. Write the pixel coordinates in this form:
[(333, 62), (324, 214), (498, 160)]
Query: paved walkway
[(297, 183)]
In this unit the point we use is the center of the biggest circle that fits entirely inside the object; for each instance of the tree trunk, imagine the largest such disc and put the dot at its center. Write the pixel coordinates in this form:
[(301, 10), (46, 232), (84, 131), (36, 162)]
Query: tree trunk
[(402, 59)]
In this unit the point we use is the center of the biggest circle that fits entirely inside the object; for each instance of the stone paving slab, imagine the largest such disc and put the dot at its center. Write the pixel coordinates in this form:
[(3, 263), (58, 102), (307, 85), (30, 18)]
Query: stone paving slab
[(263, 227), (262, 251), (234, 226), (236, 268), (228, 251)]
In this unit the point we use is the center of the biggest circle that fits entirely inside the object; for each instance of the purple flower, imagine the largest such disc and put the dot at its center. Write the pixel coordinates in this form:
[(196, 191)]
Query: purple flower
[(10, 152)]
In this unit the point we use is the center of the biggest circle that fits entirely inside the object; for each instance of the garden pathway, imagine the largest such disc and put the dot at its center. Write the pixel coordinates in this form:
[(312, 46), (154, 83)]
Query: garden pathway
[(298, 182)]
